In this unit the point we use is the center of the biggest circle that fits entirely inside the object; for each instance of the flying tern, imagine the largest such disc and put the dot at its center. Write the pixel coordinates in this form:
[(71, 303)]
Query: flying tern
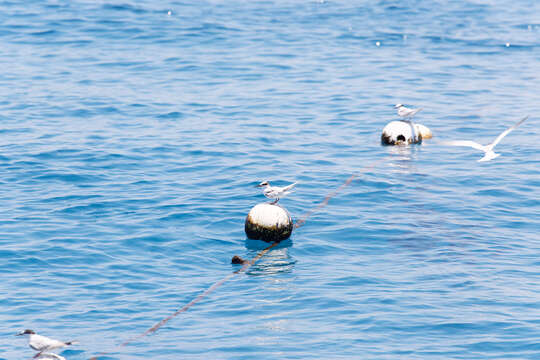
[(488, 149), (275, 192)]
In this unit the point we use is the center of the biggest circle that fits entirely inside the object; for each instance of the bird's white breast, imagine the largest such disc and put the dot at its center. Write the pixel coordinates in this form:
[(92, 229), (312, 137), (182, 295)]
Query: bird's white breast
[(403, 111), (270, 192), (40, 343)]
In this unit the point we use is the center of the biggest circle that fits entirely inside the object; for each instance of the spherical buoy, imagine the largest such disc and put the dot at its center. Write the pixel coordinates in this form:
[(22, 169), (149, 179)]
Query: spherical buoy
[(268, 222), (403, 132), (424, 131)]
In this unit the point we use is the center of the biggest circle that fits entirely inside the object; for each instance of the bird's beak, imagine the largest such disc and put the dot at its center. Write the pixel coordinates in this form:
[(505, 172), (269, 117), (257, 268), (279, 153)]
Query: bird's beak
[(259, 185), (19, 334)]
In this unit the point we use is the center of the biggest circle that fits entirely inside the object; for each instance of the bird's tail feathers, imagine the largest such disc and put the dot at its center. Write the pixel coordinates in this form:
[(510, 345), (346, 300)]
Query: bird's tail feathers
[(289, 187), (490, 155)]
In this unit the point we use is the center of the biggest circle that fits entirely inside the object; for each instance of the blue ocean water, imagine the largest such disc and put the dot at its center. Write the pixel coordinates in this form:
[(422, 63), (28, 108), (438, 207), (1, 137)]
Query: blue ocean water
[(132, 135)]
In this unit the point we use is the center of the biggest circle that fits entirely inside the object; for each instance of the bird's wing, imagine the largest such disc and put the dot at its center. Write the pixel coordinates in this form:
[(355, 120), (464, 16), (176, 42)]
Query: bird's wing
[(413, 112), (406, 112), (466, 143), (270, 192), (289, 187), (505, 132), (403, 111)]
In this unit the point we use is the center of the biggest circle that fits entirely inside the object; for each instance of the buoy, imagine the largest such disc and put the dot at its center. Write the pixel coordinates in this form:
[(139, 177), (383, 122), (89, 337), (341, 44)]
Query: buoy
[(424, 131), (401, 132), (268, 222)]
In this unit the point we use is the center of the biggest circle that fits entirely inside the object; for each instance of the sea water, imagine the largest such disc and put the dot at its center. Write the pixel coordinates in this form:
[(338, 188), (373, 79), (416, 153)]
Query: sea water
[(133, 133)]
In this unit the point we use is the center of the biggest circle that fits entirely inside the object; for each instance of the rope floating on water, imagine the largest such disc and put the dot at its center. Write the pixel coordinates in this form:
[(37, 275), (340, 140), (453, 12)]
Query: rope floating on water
[(244, 268), (323, 203), (246, 264)]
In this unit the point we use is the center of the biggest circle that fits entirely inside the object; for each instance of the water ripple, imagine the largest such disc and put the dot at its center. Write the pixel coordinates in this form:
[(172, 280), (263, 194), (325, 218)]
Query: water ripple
[(133, 136)]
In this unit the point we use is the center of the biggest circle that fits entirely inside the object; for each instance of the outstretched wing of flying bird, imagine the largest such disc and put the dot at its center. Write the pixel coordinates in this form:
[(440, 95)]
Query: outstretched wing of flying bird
[(506, 132), (467, 143)]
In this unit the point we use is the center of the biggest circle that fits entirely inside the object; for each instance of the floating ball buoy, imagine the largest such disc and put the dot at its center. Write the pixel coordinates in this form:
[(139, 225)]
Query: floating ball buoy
[(424, 131), (268, 222), (403, 132)]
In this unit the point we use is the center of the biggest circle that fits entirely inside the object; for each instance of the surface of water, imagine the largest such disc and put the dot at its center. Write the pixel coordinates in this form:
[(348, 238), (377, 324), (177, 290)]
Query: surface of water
[(131, 140)]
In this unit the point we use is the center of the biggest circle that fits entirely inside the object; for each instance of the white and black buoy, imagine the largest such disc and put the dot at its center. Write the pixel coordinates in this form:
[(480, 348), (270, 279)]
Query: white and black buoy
[(424, 131), (404, 132), (268, 222)]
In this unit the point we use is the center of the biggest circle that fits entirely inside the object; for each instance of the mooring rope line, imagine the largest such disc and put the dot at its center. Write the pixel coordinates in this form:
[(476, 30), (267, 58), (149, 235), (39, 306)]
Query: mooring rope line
[(245, 263), (325, 201)]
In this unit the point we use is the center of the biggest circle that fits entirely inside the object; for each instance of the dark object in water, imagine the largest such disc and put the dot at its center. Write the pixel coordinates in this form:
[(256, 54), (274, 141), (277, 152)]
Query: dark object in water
[(238, 260)]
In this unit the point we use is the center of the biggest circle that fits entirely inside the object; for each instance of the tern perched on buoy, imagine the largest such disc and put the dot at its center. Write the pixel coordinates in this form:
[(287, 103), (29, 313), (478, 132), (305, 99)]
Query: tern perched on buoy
[(275, 192), (487, 149), (405, 112), (42, 343)]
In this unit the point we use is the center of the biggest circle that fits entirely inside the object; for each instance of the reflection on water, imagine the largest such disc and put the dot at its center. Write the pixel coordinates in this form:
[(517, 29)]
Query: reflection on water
[(402, 158), (48, 356), (261, 245), (401, 152), (277, 260)]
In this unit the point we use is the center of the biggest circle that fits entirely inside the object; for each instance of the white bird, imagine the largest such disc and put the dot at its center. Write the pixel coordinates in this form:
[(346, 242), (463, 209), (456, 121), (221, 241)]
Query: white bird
[(42, 343), (404, 112), (488, 149), (275, 192), (49, 356)]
